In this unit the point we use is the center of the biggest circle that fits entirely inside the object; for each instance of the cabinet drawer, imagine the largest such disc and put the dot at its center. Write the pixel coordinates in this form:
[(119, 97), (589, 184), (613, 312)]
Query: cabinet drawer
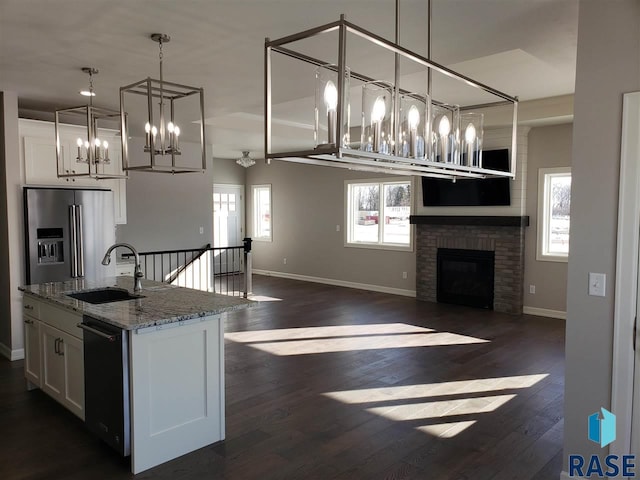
[(31, 306), (62, 319)]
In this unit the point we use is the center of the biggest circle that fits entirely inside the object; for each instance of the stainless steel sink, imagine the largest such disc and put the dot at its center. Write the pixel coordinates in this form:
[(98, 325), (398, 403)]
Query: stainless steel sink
[(104, 295)]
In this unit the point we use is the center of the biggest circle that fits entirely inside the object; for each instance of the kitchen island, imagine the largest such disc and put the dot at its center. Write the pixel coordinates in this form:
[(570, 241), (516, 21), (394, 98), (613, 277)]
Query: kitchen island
[(175, 359)]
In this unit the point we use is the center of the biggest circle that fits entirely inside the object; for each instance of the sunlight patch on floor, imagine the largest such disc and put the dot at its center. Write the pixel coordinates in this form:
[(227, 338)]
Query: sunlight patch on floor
[(460, 387), (376, 342), (446, 430), (397, 403), (263, 298), (324, 332), (444, 408)]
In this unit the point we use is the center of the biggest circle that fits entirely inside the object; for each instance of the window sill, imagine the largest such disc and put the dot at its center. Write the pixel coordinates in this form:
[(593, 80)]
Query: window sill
[(261, 239), (375, 246), (552, 258)]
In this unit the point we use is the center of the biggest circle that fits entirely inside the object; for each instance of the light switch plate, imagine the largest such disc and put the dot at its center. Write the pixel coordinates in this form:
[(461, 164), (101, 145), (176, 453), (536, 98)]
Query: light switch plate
[(597, 284)]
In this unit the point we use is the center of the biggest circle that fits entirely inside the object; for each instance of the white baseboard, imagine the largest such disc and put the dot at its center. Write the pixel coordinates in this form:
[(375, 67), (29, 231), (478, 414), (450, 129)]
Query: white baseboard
[(565, 476), (338, 283), (544, 312), (12, 355)]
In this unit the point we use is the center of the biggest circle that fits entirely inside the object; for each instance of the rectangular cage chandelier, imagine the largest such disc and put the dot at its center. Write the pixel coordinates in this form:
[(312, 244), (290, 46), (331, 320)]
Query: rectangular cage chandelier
[(92, 159), (399, 129), (163, 109)]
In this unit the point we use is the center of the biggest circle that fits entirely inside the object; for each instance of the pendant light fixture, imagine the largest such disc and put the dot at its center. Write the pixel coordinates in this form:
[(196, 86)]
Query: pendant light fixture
[(92, 150), (160, 111), (402, 129), (246, 161)]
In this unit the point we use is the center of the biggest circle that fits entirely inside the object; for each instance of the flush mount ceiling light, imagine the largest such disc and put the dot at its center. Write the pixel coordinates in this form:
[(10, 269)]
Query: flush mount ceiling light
[(93, 158), (382, 117), (161, 111), (246, 161)]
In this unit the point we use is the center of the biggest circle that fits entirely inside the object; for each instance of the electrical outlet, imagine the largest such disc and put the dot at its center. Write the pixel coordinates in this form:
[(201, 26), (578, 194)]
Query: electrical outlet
[(597, 284), (404, 275), (337, 228), (201, 230), (284, 261), (532, 289)]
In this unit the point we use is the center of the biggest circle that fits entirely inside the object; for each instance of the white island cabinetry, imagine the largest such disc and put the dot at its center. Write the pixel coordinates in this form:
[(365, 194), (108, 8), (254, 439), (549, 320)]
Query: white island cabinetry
[(175, 352), (54, 357), (177, 390)]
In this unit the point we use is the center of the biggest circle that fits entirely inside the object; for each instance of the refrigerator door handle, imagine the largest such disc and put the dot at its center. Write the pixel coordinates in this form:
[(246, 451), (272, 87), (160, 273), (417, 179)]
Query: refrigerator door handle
[(80, 244), (73, 227)]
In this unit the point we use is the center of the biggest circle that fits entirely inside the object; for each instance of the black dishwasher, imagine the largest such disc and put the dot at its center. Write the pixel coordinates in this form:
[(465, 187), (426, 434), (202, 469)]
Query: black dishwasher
[(106, 383)]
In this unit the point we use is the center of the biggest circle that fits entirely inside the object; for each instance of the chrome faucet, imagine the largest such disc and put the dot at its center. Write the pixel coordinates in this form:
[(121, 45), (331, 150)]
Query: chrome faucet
[(137, 274)]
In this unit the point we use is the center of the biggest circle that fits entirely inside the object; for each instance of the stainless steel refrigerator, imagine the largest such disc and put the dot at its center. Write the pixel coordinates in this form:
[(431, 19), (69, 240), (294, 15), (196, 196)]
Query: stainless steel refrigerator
[(67, 232)]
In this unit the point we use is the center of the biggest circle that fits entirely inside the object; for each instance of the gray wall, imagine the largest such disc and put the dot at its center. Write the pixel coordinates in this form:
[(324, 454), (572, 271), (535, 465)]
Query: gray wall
[(308, 203), (548, 147), (11, 227), (5, 278), (608, 65), (166, 211)]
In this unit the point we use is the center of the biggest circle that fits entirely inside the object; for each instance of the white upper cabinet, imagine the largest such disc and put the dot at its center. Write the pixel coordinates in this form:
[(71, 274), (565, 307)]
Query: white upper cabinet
[(38, 152)]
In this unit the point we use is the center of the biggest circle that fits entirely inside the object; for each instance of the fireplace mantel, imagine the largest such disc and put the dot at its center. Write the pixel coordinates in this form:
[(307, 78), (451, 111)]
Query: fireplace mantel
[(486, 221)]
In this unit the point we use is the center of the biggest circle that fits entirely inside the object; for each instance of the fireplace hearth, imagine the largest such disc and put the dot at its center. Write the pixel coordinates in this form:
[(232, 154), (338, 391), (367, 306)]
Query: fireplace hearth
[(465, 277)]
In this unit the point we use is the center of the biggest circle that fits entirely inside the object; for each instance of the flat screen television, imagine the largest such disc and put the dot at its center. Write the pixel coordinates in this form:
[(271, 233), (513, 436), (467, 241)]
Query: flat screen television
[(440, 192)]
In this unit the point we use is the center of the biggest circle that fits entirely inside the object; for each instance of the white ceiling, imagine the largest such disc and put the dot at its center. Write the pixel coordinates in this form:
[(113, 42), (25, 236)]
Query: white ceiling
[(526, 48)]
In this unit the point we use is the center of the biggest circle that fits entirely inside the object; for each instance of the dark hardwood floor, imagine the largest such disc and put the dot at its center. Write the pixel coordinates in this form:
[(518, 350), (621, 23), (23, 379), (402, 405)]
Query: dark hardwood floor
[(325, 382)]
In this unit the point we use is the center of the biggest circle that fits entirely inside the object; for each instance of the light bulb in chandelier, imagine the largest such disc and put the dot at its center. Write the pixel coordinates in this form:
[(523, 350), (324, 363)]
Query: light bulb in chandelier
[(444, 127), (331, 102), (470, 133), (413, 119), (379, 110), (330, 96)]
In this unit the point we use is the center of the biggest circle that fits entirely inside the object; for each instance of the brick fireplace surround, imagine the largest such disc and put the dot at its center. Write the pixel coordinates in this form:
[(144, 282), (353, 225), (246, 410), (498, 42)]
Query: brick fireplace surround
[(502, 235)]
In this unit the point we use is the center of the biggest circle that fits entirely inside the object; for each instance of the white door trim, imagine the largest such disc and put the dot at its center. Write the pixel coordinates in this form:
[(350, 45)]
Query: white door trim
[(626, 291)]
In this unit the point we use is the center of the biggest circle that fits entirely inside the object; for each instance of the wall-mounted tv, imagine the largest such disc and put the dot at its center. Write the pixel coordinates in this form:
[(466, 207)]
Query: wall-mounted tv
[(440, 192)]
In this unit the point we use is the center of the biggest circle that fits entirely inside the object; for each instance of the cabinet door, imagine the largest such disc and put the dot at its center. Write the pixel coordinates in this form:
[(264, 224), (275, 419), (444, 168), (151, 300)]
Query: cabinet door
[(32, 350), (40, 161), (73, 355), (52, 372)]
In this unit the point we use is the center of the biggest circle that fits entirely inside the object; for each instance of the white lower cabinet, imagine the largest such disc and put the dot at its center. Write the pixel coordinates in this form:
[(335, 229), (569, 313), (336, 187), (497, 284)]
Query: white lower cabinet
[(177, 390), (63, 368), (32, 355), (54, 355)]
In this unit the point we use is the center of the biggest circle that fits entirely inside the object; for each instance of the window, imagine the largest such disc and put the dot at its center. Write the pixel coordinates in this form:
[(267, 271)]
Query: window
[(554, 205), (262, 213), (378, 214)]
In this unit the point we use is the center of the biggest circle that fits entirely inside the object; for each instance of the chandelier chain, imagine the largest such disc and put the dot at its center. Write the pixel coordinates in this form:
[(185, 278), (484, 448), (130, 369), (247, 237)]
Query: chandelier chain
[(91, 88)]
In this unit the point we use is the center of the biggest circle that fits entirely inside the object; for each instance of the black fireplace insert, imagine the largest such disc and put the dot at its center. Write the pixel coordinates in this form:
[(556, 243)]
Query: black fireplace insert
[(465, 277)]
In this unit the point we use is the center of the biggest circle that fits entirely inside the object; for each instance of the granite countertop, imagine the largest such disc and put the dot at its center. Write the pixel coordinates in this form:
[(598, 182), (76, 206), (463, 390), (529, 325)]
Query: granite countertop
[(161, 303)]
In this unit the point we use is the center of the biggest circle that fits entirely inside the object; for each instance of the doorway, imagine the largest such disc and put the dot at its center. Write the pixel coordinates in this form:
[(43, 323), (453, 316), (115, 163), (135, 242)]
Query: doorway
[(228, 226)]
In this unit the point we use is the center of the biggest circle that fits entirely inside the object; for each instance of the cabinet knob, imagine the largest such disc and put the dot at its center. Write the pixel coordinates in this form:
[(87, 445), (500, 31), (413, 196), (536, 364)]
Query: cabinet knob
[(28, 321)]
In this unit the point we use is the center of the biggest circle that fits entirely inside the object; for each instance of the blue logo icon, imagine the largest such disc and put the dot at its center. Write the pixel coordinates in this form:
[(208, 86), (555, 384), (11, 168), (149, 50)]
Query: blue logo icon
[(602, 430)]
